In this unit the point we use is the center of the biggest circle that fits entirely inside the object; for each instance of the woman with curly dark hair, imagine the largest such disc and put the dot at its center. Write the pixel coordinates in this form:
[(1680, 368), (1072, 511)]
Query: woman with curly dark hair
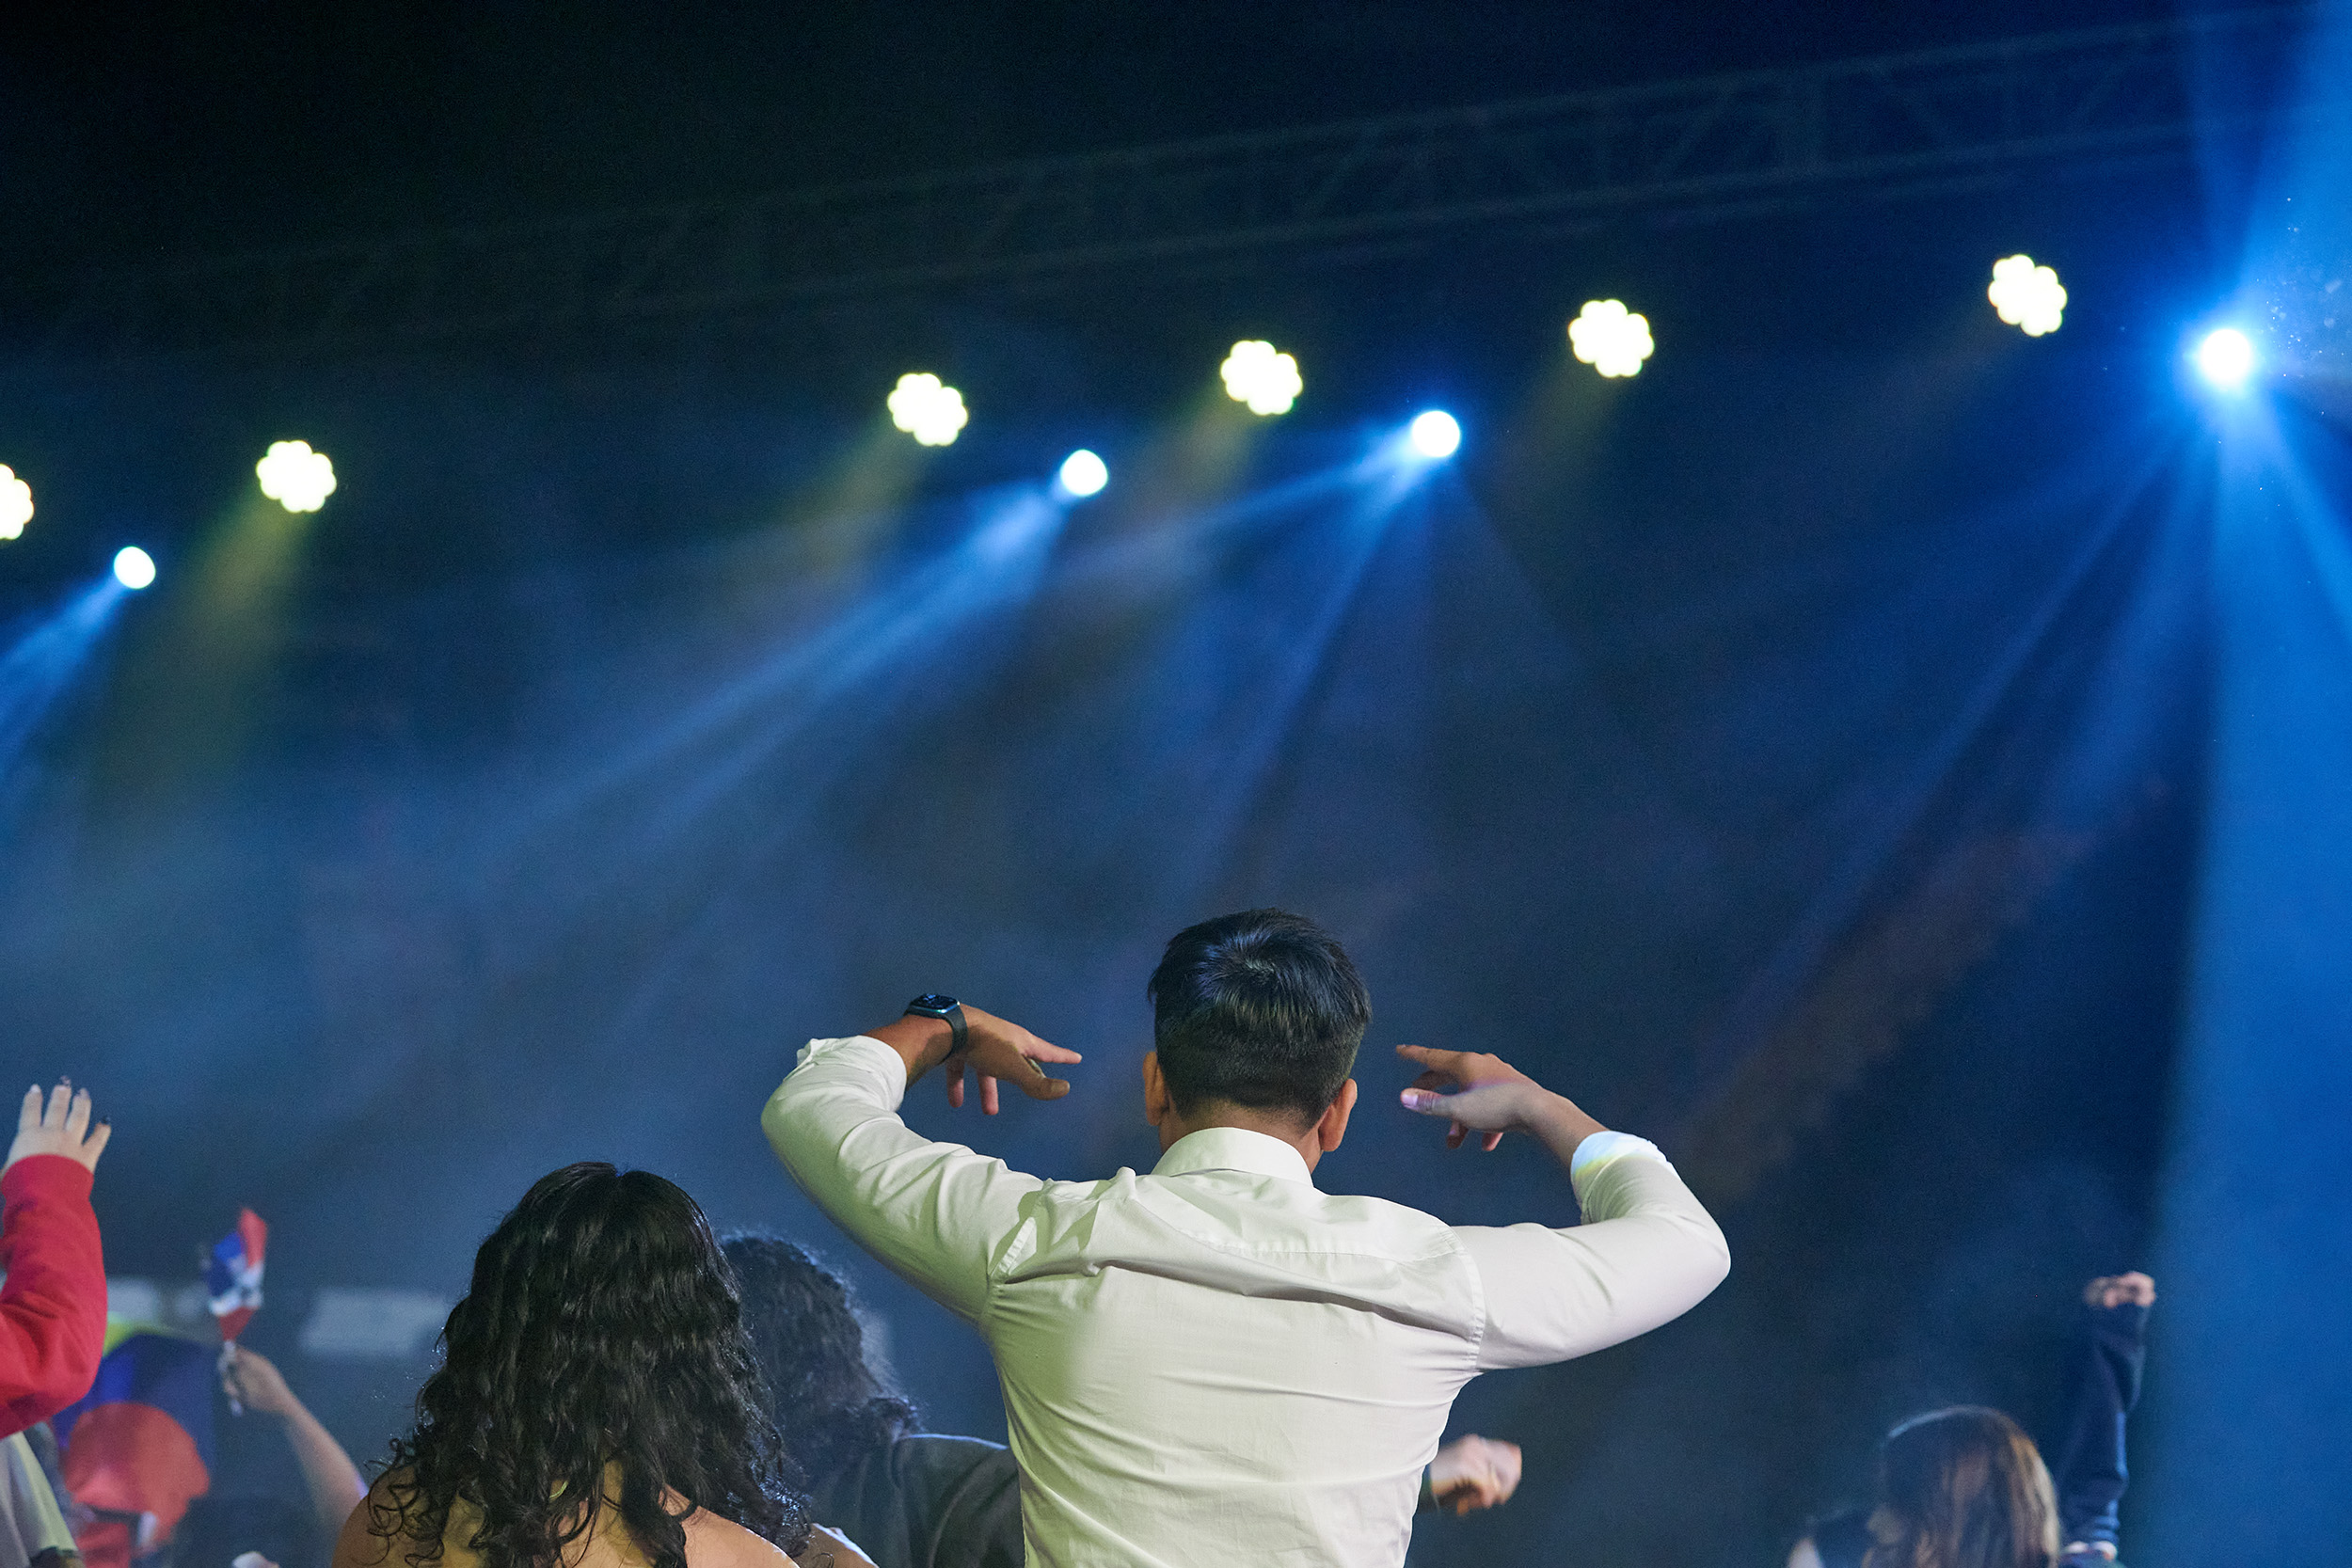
[(597, 1406)]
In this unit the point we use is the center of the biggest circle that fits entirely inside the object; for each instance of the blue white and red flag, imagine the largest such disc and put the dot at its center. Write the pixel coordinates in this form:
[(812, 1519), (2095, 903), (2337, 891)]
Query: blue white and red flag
[(233, 1276)]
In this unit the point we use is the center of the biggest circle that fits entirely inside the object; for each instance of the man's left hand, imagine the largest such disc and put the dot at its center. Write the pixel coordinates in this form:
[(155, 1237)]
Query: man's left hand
[(994, 1049)]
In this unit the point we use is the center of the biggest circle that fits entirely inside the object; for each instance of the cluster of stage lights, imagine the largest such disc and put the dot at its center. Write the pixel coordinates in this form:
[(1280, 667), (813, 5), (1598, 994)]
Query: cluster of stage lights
[(1606, 335), (290, 473)]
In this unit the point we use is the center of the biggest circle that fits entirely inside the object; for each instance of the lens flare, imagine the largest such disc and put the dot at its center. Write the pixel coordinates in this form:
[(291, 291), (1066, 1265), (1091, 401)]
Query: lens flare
[(927, 409), (1435, 433), (16, 504), (295, 477), (1082, 473), (133, 567), (1259, 376), (2226, 357), (2027, 296), (1611, 338)]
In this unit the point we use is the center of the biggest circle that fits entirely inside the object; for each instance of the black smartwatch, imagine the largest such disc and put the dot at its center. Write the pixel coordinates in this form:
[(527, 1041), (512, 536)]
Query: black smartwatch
[(932, 1004)]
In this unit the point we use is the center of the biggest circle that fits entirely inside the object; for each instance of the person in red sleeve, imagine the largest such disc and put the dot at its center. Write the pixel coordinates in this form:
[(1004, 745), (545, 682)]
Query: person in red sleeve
[(53, 1305)]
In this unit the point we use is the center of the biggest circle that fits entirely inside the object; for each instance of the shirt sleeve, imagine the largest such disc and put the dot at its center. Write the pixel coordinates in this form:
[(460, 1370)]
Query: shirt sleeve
[(934, 1213), (1646, 1254), (2091, 1472), (52, 1306)]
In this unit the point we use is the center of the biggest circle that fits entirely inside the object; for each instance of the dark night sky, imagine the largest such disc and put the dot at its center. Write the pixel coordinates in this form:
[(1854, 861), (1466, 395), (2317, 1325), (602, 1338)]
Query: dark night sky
[(134, 130)]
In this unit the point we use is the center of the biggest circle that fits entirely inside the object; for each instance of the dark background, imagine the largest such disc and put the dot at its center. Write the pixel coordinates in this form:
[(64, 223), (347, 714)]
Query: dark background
[(1800, 753)]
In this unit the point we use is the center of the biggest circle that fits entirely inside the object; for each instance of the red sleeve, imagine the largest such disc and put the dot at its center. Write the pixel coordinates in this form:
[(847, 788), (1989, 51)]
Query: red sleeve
[(52, 1306)]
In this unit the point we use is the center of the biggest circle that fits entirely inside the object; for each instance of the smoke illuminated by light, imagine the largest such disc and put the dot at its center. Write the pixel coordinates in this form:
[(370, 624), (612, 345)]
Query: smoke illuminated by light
[(2027, 296), (2226, 359), (927, 409), (1435, 433), (1083, 473), (295, 477), (133, 567), (1258, 375), (1611, 338), (16, 503)]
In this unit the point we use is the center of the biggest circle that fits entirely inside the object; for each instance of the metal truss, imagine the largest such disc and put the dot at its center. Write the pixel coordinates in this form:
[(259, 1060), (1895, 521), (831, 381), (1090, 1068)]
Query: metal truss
[(1718, 146)]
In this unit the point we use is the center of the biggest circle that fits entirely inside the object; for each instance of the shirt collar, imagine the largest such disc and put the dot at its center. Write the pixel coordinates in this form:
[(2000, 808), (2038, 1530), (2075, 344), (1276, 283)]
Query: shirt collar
[(1233, 1149)]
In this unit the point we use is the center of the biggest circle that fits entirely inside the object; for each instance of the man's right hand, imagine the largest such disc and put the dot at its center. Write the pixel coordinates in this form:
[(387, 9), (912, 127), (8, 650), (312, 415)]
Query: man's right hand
[(61, 1127), (1491, 1097)]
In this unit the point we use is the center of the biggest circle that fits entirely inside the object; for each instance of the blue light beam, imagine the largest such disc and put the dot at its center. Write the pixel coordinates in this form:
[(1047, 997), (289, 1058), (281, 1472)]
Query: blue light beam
[(40, 667)]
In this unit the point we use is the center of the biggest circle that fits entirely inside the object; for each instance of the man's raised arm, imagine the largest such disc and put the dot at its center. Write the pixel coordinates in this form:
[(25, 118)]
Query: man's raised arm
[(1646, 1254), (933, 1212)]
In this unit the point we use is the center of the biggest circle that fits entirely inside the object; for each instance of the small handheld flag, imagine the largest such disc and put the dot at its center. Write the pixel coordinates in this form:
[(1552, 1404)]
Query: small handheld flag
[(233, 1276)]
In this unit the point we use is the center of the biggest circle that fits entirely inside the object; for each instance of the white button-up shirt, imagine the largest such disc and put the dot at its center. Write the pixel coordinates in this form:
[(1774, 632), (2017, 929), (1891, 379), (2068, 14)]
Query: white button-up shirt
[(1216, 1363)]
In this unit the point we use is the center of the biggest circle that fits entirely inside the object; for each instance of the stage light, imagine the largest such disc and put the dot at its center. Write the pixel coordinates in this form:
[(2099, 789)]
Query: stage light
[(1435, 433), (16, 503), (1083, 473), (2027, 296), (2225, 357), (1259, 376), (928, 410), (1611, 338), (295, 477), (133, 567)]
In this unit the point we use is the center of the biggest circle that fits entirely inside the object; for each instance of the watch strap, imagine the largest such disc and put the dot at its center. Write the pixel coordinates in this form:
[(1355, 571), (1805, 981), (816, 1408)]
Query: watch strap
[(932, 1005)]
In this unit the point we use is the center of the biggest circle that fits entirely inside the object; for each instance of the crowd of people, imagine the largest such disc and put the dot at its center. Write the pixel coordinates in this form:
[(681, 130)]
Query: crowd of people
[(1212, 1361)]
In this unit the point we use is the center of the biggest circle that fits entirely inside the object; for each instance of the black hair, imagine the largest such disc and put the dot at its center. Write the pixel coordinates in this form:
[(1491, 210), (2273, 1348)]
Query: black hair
[(602, 1328), (1259, 1009), (830, 1404)]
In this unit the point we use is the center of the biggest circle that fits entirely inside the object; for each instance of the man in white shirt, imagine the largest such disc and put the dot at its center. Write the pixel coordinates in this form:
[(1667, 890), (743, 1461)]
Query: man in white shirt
[(1217, 1362)]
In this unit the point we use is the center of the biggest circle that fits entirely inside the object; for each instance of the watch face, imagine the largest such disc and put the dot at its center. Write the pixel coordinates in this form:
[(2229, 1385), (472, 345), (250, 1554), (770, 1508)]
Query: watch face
[(930, 1002)]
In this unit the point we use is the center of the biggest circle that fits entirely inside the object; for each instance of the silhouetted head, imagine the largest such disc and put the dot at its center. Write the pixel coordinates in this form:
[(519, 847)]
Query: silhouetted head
[(601, 1329), (830, 1404), (1259, 1009), (1963, 1488)]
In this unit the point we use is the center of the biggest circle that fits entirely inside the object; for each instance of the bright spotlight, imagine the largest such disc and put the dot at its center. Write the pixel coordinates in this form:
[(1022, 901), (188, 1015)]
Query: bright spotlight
[(1611, 338), (2225, 357), (1083, 473), (295, 477), (133, 567), (1435, 433), (1257, 375), (2027, 296), (16, 503), (928, 410)]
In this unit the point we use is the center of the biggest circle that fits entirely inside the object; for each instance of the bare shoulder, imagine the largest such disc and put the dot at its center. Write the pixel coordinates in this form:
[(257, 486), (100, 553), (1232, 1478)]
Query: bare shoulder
[(715, 1543), (367, 1539)]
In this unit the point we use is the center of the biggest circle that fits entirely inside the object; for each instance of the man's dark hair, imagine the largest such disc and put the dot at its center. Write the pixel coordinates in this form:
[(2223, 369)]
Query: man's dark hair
[(830, 1405), (1259, 1009)]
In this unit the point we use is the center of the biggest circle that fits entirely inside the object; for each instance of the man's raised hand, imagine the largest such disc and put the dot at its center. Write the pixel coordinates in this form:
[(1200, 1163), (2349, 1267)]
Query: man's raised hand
[(59, 1127), (995, 1048), (1490, 1096)]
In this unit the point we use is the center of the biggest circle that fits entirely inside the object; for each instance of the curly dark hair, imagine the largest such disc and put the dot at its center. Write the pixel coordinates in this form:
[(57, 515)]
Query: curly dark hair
[(602, 1329), (803, 1327)]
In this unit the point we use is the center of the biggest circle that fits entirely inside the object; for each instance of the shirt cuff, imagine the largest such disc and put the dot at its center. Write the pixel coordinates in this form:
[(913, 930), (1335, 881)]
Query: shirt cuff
[(1603, 1149), (865, 1055)]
